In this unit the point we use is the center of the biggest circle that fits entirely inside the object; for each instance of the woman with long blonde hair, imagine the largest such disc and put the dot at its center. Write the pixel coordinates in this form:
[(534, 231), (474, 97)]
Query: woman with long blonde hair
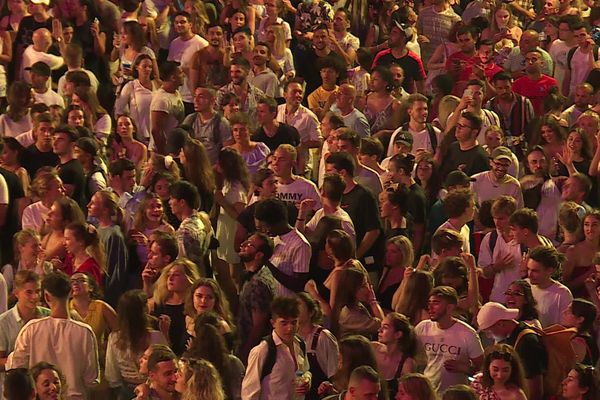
[(200, 19), (275, 37), (199, 380), (168, 300)]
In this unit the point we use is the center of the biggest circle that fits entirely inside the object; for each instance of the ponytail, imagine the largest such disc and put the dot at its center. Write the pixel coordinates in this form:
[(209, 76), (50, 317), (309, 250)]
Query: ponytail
[(90, 237)]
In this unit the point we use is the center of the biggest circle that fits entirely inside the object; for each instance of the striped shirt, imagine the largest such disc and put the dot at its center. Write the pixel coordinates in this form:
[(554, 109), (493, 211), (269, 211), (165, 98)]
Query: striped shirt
[(290, 255)]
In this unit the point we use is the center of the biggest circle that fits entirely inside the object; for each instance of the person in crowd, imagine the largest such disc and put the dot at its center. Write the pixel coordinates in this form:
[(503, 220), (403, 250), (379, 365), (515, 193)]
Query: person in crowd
[(37, 340), (28, 257), (168, 300), (166, 107), (96, 179), (199, 379), (519, 296), (253, 153), (161, 252), (128, 343), (551, 296), (499, 255), (581, 315), (322, 345), (502, 374), (19, 385), (209, 344), (444, 369), (364, 383), (415, 386), (49, 381), (259, 381), (124, 144), (399, 255), (196, 163), (578, 265), (356, 200), (380, 106), (395, 349), (540, 193), (581, 383), (195, 232), (206, 296), (270, 131)]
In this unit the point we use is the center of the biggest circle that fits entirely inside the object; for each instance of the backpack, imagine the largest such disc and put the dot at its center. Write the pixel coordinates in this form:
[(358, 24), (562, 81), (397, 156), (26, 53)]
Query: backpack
[(272, 354), (561, 356), (571, 53), (430, 132)]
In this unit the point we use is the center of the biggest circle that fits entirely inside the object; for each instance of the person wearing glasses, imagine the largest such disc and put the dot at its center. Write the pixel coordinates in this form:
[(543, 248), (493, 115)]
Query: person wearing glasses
[(501, 324), (257, 292), (466, 154)]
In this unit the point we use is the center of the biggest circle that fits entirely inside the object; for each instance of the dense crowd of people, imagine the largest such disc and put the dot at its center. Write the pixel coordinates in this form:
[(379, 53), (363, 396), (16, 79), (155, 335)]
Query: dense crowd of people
[(299, 199)]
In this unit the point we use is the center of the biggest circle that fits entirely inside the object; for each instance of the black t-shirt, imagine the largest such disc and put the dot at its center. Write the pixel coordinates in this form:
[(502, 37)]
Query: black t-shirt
[(72, 173), (285, 134), (83, 36), (13, 223), (27, 26), (410, 63), (34, 159), (360, 203), (531, 350), (471, 161), (308, 69), (416, 204), (177, 331), (246, 217)]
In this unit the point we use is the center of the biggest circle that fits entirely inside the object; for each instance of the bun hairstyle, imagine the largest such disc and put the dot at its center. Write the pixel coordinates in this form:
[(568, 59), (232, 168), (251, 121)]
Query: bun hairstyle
[(141, 57), (88, 234), (111, 202), (386, 75)]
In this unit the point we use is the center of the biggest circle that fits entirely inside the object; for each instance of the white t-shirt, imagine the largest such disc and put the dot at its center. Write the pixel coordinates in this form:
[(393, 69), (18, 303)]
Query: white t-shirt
[(558, 52), (421, 140), (300, 189), (580, 68), (172, 105), (459, 342), (464, 233), (347, 224), (485, 188), (50, 98), (34, 216), (31, 56), (183, 52), (551, 302), (504, 278)]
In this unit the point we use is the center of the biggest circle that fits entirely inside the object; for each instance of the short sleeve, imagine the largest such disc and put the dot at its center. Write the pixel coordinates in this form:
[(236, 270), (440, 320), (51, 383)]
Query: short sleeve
[(3, 191)]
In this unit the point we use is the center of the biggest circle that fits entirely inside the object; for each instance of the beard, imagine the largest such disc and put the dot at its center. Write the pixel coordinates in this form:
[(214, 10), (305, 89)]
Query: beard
[(245, 257)]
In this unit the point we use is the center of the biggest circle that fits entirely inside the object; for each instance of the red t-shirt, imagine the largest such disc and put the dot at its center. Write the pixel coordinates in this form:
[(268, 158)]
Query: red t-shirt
[(465, 73), (89, 266), (535, 90)]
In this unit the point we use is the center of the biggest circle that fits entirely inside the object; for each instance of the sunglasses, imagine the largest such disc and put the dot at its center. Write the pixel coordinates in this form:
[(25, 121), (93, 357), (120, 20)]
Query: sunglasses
[(500, 355), (511, 293)]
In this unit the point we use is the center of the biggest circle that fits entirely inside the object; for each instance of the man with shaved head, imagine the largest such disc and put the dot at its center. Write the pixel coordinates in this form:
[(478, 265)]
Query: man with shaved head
[(38, 51), (39, 18), (515, 63), (353, 117)]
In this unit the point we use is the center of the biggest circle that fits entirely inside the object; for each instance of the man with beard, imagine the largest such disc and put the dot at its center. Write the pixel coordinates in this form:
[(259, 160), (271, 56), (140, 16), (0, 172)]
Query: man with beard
[(515, 112), (258, 291), (583, 99), (501, 324), (162, 375), (535, 85), (452, 347), (182, 49), (207, 67), (343, 42), (540, 193), (497, 182), (414, 72), (261, 75), (309, 67), (241, 87)]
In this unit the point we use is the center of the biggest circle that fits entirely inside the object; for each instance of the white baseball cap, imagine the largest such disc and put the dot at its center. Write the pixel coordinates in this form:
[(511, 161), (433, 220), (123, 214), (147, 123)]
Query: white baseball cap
[(493, 312)]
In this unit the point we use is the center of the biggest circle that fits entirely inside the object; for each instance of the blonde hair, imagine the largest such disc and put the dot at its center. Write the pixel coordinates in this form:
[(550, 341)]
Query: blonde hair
[(203, 381), (279, 45), (447, 106), (404, 245), (110, 201), (161, 293), (41, 183)]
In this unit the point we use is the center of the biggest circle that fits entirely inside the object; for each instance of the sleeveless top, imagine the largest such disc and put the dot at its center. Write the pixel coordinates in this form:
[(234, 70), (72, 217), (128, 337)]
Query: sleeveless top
[(378, 121), (318, 376), (392, 384)]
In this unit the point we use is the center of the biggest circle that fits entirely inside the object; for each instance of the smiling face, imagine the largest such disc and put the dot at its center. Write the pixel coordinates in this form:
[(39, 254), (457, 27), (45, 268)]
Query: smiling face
[(79, 284), (47, 385), (28, 295), (500, 371), (73, 244)]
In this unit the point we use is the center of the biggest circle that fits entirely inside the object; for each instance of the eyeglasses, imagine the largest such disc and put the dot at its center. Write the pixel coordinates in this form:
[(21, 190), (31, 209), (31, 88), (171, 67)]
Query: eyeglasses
[(511, 293), (247, 244), (78, 280)]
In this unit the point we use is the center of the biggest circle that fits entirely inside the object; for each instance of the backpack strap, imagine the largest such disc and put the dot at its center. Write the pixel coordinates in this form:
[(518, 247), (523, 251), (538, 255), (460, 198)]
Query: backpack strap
[(315, 339), (570, 55), (526, 331), (432, 136), (271, 357), (492, 242), (216, 133)]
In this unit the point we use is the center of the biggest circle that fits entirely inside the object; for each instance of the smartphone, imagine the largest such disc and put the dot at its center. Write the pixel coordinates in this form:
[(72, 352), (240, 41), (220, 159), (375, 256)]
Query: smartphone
[(468, 92)]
